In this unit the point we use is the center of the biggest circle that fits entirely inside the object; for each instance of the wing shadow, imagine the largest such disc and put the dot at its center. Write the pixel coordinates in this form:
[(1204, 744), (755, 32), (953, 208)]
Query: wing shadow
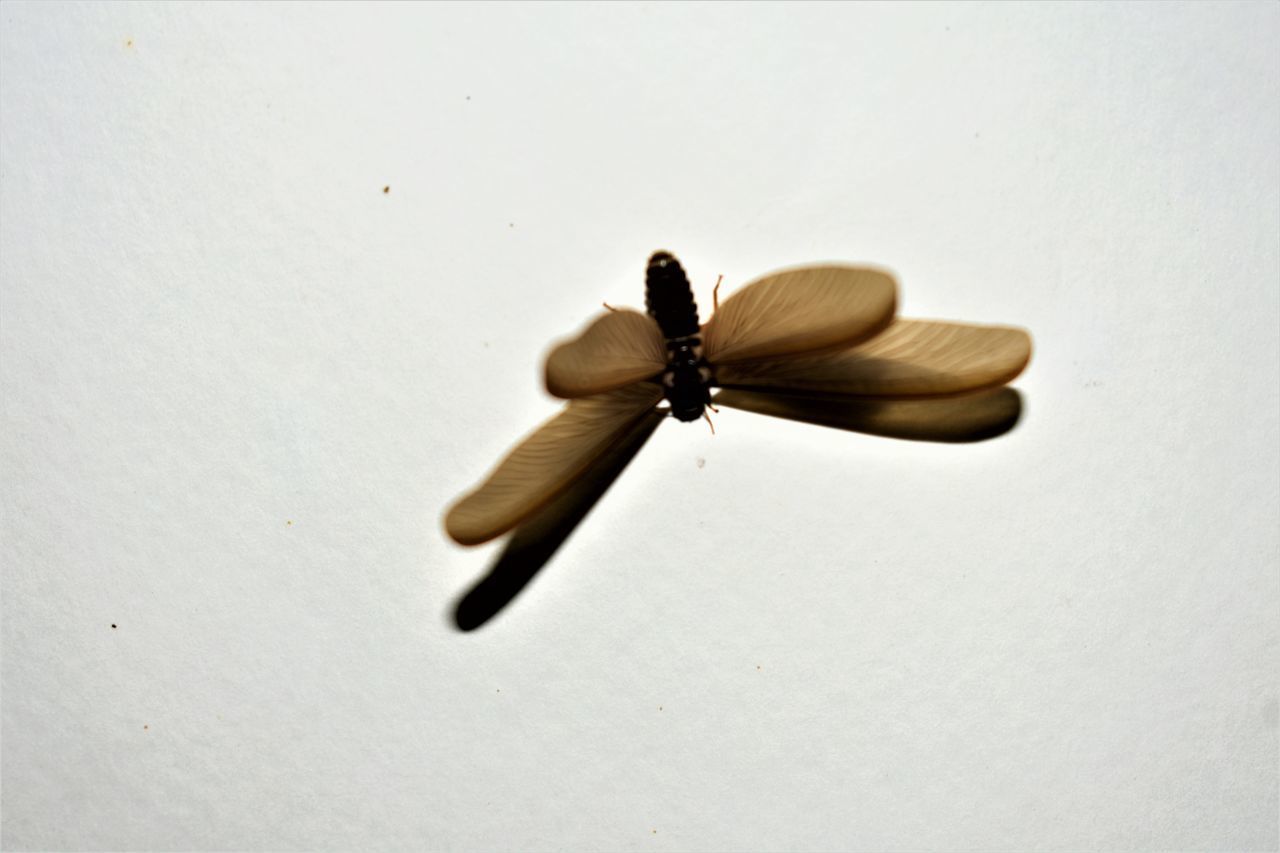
[(967, 418), (537, 539), (970, 417)]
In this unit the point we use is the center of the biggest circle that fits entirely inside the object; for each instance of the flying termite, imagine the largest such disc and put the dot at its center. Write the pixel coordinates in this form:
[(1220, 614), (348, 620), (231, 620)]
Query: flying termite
[(820, 331)]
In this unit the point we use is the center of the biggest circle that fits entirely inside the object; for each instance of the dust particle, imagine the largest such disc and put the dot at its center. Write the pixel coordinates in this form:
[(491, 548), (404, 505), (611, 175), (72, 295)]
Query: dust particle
[(757, 666), (386, 189), (659, 707), (144, 728), (128, 42), (113, 626), (700, 461), (289, 523)]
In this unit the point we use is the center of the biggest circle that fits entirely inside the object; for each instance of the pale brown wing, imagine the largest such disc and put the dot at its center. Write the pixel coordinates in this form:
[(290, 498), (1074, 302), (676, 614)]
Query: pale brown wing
[(957, 418), (800, 310), (547, 462), (912, 358), (617, 349)]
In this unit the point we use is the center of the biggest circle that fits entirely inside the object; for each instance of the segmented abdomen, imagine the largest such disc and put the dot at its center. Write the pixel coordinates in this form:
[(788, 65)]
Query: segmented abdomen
[(668, 298)]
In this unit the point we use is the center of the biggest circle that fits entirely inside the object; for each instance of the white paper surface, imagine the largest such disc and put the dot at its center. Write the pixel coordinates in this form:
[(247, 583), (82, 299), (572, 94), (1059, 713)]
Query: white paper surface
[(241, 383)]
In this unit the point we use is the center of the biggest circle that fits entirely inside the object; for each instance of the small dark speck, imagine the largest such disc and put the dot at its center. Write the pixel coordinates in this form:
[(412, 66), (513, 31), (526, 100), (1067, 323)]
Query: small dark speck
[(468, 97), (486, 344), (757, 666), (499, 690), (977, 135), (128, 43), (511, 225), (659, 707), (386, 190), (700, 462), (113, 625), (144, 728)]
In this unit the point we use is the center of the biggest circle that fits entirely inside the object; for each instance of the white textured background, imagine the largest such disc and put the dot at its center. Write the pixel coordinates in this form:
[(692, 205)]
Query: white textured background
[(240, 384)]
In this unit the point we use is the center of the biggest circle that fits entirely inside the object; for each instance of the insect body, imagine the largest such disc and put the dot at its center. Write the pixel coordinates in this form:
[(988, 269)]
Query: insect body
[(826, 331), (686, 383)]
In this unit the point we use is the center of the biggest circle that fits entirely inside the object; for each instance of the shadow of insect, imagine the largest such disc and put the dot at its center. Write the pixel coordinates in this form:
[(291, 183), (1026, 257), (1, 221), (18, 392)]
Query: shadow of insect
[(817, 344)]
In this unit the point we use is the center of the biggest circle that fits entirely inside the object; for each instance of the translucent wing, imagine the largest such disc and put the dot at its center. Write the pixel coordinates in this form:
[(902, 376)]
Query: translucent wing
[(617, 349), (547, 462), (798, 311), (912, 358), (955, 418)]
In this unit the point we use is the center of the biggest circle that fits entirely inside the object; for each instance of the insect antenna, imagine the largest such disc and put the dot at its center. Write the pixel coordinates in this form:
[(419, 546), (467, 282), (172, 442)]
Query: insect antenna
[(709, 423), (715, 294)]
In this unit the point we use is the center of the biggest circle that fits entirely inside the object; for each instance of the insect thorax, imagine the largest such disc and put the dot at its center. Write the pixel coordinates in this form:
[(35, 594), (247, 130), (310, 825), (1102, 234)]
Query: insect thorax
[(686, 381)]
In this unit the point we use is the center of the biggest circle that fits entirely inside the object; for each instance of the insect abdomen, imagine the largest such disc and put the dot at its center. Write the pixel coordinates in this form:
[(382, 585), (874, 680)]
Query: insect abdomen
[(668, 298), (669, 301)]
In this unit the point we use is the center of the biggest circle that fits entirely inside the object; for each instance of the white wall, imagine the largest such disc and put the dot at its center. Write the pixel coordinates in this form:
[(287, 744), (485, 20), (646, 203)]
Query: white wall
[(241, 383)]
